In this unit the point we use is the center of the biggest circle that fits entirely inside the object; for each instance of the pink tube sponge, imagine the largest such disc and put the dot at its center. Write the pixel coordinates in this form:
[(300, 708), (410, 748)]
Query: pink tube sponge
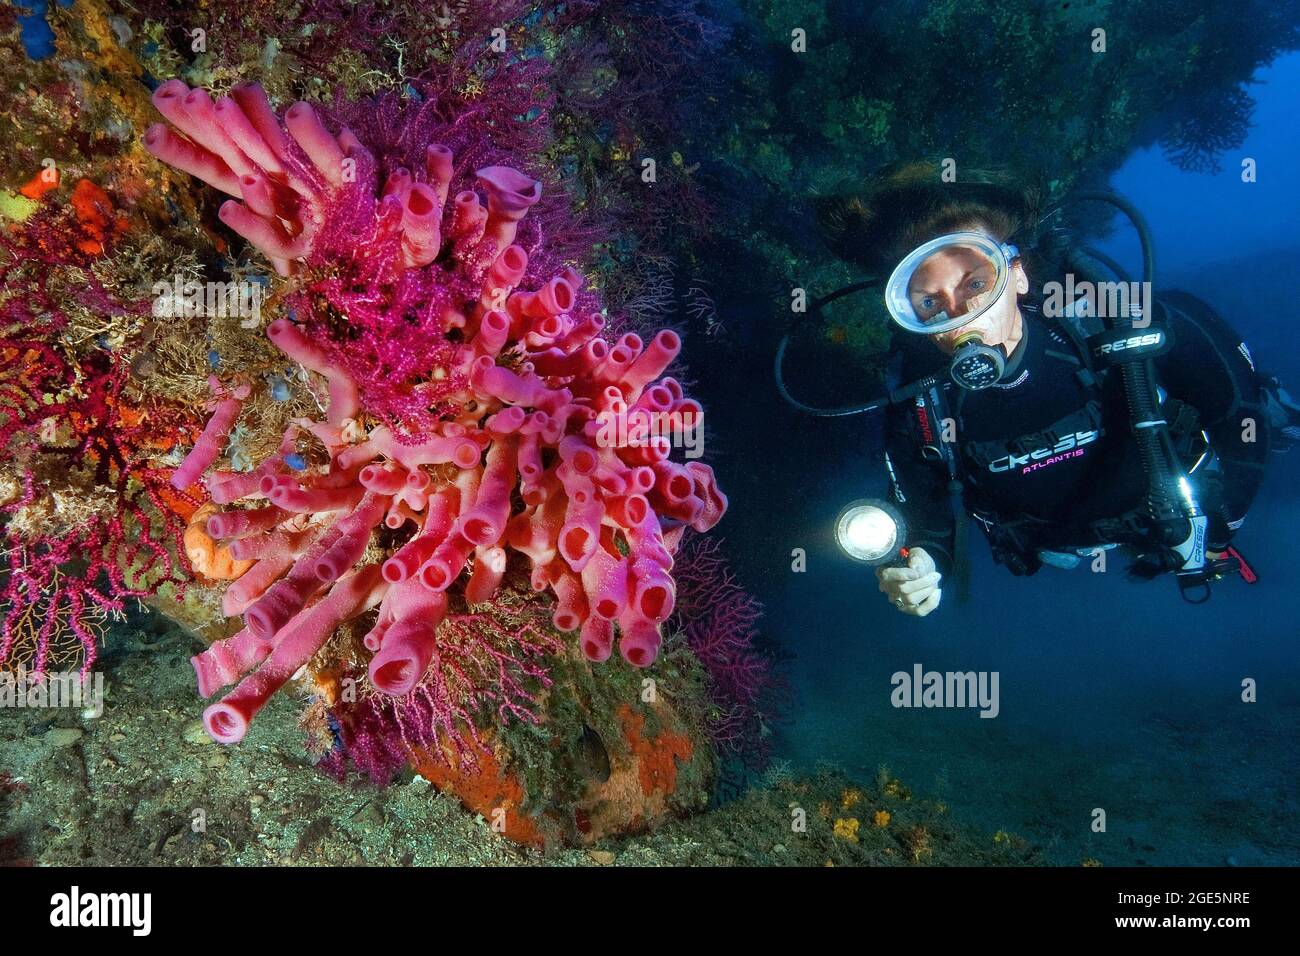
[(408, 647), (510, 195), (210, 443), (295, 644), (481, 429)]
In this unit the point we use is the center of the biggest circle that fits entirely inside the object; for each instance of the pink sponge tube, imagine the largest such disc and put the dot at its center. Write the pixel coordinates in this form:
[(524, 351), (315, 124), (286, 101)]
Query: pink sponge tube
[(311, 500), (421, 225), (493, 332), (553, 298), (654, 449), (579, 362), (225, 487), (435, 450), (400, 512), (596, 639), (655, 400), (265, 233), (674, 493), (579, 455), (639, 638), (209, 445), (580, 535), (530, 454), (354, 535), (407, 649), (467, 218), (408, 599), (191, 112), (227, 721), (510, 195), (256, 190), (189, 158), (224, 662), (253, 583), (446, 562), (535, 532), (605, 579), (252, 101), (277, 543), (659, 354), (384, 480), (497, 382), (398, 182), (706, 490), (438, 167), (169, 100), (616, 364), (653, 593), (507, 270), (641, 479), (236, 124), (437, 522), (209, 132), (489, 569), (236, 524), (287, 596), (583, 331), (547, 330), (485, 523), (647, 543), (509, 419), (350, 145), (627, 511), (448, 559), (571, 607), (322, 149), (344, 401)]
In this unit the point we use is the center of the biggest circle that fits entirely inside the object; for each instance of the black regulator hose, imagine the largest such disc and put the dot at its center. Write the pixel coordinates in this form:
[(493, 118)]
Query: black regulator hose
[(841, 411)]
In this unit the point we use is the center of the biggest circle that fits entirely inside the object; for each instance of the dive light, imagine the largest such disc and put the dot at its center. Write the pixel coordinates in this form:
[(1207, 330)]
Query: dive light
[(871, 531)]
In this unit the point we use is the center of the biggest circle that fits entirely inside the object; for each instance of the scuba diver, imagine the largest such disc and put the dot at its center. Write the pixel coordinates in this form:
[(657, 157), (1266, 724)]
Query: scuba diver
[(1031, 386)]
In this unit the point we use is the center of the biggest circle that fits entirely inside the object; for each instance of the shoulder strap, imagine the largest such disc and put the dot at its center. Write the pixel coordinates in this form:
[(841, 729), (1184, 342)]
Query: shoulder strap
[(1079, 356)]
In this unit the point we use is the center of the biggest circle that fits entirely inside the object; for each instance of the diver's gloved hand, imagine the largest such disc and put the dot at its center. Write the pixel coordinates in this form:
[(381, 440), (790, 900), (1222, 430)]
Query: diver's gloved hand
[(915, 588)]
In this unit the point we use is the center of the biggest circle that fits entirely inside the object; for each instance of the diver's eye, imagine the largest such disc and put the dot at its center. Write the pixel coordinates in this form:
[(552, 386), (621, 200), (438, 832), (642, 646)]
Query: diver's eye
[(978, 285)]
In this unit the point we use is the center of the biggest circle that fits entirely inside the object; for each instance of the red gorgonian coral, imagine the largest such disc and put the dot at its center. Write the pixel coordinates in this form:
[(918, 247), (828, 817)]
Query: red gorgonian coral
[(89, 520)]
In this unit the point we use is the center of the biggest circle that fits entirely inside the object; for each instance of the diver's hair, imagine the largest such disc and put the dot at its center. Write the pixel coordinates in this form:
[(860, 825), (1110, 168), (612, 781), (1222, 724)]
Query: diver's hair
[(877, 222)]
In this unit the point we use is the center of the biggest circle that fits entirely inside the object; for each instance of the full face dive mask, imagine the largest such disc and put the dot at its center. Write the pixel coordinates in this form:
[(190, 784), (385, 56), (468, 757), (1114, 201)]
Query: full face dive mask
[(947, 283)]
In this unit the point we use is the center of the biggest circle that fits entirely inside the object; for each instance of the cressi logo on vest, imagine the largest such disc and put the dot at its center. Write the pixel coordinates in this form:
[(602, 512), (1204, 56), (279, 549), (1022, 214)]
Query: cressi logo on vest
[(1072, 442), (1144, 341)]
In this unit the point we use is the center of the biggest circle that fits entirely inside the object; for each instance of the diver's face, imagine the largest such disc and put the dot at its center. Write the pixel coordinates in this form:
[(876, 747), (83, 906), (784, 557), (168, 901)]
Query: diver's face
[(959, 280)]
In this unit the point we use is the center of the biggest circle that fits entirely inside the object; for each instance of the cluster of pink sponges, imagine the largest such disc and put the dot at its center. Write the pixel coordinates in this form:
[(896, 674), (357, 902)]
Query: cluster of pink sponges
[(548, 448)]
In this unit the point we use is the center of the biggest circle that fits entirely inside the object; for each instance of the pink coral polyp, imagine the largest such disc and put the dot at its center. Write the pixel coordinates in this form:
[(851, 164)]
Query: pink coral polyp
[(517, 460)]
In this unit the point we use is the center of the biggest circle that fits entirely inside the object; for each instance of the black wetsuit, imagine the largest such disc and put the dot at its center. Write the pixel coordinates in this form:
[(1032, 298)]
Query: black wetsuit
[(1042, 468)]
